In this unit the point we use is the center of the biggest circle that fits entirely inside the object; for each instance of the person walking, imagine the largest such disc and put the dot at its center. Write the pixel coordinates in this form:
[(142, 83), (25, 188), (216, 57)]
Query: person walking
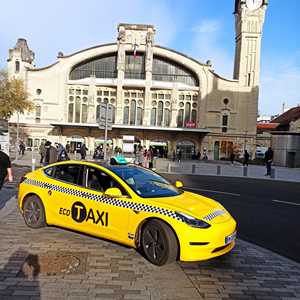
[(50, 154), (41, 152), (62, 153), (22, 148), (268, 160), (232, 156), (179, 155), (5, 168), (83, 150), (246, 158)]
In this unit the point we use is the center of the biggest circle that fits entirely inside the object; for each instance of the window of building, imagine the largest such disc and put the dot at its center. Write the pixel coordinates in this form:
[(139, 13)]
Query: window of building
[(85, 92), (135, 66), (17, 66), (167, 117), (180, 118), (38, 91), (249, 79), (100, 67), (167, 70), (160, 113), (153, 117), (38, 111), (71, 91), (71, 112), (132, 112), (224, 123), (194, 116), (126, 115), (187, 113), (77, 109), (84, 113), (139, 116)]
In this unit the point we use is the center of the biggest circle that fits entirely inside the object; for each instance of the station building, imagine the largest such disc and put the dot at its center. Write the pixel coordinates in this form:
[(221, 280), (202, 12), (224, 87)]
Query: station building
[(164, 98)]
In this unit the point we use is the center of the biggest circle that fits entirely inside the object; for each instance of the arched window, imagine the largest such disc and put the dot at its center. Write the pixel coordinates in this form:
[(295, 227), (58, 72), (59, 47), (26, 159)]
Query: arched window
[(84, 113), (160, 113), (132, 112), (17, 66), (167, 70), (97, 113), (71, 112), (77, 109), (100, 67), (167, 117), (194, 116), (126, 115), (139, 116), (187, 113), (180, 118), (153, 117)]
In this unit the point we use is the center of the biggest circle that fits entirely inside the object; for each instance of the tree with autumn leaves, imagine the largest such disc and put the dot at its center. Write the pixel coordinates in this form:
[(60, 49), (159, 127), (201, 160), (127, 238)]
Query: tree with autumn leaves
[(13, 96)]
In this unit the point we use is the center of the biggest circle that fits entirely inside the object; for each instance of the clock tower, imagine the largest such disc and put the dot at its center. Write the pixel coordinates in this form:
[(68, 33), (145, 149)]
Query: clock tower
[(249, 20)]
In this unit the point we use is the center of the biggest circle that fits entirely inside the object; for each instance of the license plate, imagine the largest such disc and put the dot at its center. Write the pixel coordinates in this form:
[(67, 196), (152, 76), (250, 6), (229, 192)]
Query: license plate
[(230, 238)]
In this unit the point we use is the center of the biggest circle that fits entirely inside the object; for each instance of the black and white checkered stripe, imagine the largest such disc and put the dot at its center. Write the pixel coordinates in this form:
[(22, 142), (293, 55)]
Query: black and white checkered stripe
[(214, 214), (103, 199)]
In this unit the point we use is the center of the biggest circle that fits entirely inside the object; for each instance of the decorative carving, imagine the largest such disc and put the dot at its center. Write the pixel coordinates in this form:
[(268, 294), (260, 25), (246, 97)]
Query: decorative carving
[(149, 38), (122, 35)]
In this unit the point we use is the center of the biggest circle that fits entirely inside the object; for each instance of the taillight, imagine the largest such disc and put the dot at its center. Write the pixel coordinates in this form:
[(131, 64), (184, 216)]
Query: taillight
[(22, 179)]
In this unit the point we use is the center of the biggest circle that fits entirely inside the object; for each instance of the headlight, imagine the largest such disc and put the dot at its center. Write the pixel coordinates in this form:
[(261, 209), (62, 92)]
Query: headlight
[(191, 221)]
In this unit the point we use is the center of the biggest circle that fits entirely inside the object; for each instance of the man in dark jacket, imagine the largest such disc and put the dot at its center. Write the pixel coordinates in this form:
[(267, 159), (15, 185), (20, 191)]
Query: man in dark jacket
[(50, 155), (268, 160), (5, 168)]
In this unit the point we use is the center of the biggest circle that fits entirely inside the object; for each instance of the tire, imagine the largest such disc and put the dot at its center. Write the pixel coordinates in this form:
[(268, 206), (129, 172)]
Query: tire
[(159, 243), (34, 212)]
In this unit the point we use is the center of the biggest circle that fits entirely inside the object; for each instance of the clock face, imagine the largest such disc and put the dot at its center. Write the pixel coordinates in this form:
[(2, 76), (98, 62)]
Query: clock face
[(254, 4)]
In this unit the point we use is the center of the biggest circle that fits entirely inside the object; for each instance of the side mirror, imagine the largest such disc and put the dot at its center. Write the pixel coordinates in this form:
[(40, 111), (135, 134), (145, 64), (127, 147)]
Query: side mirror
[(113, 192), (178, 184)]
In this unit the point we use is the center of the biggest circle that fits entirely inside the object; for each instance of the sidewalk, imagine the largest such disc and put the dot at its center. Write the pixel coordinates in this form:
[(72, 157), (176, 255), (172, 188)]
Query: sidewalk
[(213, 168), (52, 263), (224, 168)]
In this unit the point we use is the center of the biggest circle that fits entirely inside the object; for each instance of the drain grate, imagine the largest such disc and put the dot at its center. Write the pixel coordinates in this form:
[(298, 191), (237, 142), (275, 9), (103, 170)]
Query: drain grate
[(57, 263)]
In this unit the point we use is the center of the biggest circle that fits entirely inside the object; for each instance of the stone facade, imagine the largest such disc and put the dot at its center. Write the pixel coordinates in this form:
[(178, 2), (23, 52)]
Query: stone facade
[(160, 96)]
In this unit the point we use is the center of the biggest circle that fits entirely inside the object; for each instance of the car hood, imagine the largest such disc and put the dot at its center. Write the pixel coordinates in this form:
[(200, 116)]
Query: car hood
[(195, 205)]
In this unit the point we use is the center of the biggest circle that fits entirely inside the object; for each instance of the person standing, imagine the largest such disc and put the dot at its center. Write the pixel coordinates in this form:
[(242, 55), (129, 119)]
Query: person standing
[(83, 150), (50, 154), (232, 157), (179, 155), (5, 168), (246, 158), (41, 152), (268, 160)]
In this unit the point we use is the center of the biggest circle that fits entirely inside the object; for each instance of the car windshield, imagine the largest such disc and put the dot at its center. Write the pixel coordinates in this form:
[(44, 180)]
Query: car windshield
[(145, 183)]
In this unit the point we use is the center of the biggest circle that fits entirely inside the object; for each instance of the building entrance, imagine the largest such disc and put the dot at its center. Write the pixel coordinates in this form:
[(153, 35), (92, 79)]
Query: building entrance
[(160, 148), (185, 150)]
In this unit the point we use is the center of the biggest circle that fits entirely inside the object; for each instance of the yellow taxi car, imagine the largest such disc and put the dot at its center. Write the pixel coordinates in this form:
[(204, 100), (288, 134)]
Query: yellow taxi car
[(128, 204)]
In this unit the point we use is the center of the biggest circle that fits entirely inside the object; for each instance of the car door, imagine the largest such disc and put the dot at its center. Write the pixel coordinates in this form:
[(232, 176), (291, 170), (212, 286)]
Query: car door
[(64, 196), (108, 216)]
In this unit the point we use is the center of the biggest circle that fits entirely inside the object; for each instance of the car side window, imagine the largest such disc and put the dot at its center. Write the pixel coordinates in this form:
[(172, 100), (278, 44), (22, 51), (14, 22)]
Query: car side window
[(69, 173), (49, 171), (100, 181)]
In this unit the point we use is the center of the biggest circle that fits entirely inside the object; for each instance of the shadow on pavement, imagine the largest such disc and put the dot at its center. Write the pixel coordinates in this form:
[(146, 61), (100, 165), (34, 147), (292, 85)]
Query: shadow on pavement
[(20, 276)]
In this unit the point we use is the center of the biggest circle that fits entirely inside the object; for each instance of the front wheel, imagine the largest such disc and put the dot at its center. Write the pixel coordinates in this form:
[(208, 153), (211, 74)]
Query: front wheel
[(159, 243), (34, 212)]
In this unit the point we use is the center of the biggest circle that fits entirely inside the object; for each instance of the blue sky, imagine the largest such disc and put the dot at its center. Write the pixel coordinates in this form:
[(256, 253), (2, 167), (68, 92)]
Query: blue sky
[(203, 29)]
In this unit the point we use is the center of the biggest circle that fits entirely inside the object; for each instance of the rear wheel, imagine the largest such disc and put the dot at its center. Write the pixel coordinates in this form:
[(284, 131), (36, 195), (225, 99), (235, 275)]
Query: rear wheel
[(159, 243), (34, 212)]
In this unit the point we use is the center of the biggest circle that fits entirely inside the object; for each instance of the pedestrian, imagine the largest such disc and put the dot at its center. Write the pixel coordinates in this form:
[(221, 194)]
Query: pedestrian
[(179, 155), (5, 168), (22, 148), (50, 154), (232, 156), (62, 153), (140, 156), (150, 155), (198, 156), (174, 155), (41, 152), (246, 158), (83, 150), (268, 160), (205, 154), (146, 159)]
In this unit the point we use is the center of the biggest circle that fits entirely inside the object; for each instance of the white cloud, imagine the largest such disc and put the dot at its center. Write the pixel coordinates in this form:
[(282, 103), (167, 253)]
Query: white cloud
[(207, 45)]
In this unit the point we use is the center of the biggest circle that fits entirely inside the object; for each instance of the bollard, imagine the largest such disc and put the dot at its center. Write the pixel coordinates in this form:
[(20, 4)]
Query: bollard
[(193, 169), (169, 168), (273, 173), (33, 164), (218, 170), (245, 171)]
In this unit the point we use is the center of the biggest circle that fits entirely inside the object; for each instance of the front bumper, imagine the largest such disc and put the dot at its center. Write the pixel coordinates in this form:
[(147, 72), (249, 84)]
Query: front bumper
[(200, 244)]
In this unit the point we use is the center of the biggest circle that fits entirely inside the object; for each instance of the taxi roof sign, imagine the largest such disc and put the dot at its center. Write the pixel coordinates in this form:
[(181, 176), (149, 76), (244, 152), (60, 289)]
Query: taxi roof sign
[(118, 160)]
